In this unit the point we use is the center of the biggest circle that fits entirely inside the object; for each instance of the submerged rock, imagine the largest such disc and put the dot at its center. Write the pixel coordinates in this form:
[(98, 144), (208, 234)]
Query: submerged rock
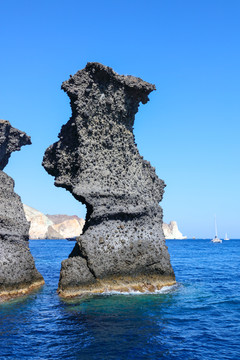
[(18, 274), (122, 246)]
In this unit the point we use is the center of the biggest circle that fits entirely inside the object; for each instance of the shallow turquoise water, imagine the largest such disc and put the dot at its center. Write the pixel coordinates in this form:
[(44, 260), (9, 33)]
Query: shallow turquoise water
[(197, 319)]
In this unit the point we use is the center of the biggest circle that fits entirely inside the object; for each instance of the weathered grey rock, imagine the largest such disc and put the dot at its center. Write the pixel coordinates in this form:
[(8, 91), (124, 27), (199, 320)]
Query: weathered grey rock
[(18, 274), (11, 139), (97, 160)]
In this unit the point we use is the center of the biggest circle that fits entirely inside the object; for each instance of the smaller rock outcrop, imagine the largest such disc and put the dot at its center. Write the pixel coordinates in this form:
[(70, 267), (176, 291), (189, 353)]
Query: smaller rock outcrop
[(18, 274), (171, 231)]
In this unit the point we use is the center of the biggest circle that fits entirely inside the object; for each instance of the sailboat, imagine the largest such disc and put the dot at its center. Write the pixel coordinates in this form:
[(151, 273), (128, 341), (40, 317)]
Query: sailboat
[(216, 238), (226, 237)]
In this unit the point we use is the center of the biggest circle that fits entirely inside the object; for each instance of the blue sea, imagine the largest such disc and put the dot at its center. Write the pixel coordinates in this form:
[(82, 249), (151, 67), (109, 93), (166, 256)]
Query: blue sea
[(199, 318)]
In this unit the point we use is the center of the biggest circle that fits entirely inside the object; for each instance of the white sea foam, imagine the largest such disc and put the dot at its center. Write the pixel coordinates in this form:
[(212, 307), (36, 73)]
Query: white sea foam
[(163, 290)]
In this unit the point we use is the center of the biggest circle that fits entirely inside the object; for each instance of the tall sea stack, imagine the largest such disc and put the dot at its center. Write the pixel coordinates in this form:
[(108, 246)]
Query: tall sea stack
[(18, 274), (122, 247)]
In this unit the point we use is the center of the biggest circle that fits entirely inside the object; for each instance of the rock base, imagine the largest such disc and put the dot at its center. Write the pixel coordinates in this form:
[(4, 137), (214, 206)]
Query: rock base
[(18, 274), (24, 289), (139, 283)]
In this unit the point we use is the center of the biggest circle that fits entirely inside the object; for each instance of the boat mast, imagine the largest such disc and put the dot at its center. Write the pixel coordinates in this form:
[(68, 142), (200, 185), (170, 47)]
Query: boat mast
[(215, 227)]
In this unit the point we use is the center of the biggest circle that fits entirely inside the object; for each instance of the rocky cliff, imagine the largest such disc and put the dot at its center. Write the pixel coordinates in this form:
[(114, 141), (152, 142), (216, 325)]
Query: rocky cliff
[(18, 274), (52, 226), (67, 226), (122, 246), (171, 231), (67, 229), (39, 223)]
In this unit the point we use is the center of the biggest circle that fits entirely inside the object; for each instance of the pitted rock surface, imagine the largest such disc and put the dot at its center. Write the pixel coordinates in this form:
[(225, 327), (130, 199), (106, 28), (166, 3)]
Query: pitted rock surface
[(11, 139), (17, 268), (97, 160)]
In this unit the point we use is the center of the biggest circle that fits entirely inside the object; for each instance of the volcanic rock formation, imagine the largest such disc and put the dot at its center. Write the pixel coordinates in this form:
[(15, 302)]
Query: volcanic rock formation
[(18, 274), (122, 246)]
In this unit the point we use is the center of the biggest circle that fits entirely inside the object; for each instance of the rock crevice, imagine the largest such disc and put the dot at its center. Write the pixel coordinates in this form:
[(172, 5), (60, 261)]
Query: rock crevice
[(97, 160)]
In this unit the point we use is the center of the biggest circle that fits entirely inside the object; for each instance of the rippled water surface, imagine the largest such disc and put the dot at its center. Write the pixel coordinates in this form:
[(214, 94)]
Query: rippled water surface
[(197, 319)]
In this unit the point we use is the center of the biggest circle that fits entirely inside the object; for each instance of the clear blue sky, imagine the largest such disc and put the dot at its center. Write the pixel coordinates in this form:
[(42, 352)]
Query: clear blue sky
[(189, 130)]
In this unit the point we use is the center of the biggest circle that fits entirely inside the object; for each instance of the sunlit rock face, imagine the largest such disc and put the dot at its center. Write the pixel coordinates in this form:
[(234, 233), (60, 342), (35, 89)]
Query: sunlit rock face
[(67, 229), (122, 246), (18, 274), (52, 226), (39, 223), (171, 231)]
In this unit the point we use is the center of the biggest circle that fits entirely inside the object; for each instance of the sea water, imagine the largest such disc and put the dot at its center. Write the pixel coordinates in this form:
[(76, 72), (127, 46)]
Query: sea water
[(198, 319)]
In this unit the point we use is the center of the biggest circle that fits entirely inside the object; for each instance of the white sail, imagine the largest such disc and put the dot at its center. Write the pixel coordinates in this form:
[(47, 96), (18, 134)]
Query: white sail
[(216, 235), (226, 237), (216, 239)]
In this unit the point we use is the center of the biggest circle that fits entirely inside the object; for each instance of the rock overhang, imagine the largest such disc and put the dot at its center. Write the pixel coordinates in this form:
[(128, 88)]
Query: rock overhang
[(11, 140)]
